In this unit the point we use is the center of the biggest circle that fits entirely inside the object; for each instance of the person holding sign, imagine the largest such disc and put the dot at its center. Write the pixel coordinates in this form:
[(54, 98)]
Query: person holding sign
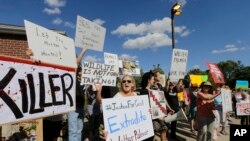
[(127, 88), (147, 83), (75, 122), (205, 107)]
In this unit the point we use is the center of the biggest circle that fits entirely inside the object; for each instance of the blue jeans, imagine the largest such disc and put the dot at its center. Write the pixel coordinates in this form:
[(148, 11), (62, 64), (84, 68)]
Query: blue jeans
[(75, 126)]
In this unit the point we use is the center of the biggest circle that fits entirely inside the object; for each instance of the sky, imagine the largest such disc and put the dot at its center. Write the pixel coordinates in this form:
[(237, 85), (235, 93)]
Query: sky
[(211, 30)]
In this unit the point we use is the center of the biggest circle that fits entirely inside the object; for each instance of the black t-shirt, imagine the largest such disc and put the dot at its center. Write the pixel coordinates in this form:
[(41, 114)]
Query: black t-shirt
[(171, 97), (79, 94)]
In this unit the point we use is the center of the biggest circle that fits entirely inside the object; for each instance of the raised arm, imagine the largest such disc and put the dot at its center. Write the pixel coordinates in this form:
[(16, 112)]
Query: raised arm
[(79, 58), (207, 96)]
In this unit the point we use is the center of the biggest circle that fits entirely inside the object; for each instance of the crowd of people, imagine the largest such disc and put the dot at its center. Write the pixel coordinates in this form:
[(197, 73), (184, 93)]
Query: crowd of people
[(202, 104)]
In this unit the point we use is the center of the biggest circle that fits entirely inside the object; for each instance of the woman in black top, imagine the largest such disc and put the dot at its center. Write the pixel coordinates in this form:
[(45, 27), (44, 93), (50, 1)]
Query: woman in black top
[(172, 99)]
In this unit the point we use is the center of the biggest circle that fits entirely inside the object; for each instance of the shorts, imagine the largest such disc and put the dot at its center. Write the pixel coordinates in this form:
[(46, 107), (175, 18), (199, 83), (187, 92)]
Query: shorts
[(192, 112)]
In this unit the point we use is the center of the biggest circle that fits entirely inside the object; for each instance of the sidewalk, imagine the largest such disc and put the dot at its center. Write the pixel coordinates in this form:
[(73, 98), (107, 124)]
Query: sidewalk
[(184, 134), (183, 131)]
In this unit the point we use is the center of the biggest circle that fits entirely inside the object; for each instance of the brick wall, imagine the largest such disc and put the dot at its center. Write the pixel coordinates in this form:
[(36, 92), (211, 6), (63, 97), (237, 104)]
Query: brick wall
[(13, 45)]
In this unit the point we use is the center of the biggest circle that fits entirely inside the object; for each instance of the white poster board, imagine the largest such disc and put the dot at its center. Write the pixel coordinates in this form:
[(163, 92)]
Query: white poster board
[(242, 108), (127, 118), (178, 64), (127, 67), (31, 91), (111, 59), (226, 100), (96, 73), (49, 46), (157, 104), (89, 34)]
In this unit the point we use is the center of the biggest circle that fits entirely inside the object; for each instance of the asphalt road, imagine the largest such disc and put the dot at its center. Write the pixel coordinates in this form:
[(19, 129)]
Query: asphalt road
[(184, 134)]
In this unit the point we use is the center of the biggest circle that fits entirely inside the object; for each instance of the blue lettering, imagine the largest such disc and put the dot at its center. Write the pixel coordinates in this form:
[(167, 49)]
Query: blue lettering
[(112, 124)]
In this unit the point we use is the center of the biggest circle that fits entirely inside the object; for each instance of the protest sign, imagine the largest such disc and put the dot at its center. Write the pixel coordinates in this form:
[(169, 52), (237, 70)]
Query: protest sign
[(111, 59), (125, 118), (89, 34), (95, 73), (196, 80), (157, 104), (242, 84), (226, 100), (243, 108), (49, 46), (178, 64), (30, 91), (129, 68), (216, 74)]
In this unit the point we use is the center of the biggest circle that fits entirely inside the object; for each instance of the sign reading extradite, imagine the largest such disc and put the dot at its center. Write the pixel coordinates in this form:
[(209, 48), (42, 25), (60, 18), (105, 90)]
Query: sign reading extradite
[(127, 118)]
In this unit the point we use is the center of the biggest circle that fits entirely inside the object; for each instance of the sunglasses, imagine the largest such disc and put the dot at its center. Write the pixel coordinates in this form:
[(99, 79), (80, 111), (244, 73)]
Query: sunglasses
[(124, 81)]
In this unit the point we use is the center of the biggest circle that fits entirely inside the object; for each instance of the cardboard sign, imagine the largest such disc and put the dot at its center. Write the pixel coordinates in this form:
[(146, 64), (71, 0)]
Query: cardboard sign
[(111, 59), (196, 80), (127, 119), (157, 104), (178, 65), (49, 46), (129, 68), (216, 74), (243, 108), (95, 73), (89, 34), (30, 91), (226, 100), (242, 84)]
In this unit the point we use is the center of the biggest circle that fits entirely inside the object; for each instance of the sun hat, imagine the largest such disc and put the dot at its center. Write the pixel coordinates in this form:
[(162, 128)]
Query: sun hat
[(207, 83)]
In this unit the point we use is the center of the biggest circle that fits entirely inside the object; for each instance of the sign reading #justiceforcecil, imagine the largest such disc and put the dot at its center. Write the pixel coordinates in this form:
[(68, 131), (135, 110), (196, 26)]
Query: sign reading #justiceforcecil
[(126, 118)]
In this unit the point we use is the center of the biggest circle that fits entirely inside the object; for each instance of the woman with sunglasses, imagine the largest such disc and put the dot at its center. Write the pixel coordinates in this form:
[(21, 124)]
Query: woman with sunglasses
[(127, 87)]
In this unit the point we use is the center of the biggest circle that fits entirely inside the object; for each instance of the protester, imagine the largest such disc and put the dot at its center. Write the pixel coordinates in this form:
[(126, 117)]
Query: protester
[(127, 88), (172, 99), (193, 107), (147, 83), (205, 107), (75, 118)]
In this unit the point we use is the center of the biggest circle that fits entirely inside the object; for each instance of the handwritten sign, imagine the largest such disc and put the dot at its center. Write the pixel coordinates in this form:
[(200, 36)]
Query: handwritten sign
[(111, 59), (216, 74), (126, 118), (95, 73), (50, 46), (89, 34), (29, 91), (242, 108), (178, 64), (157, 104), (226, 100)]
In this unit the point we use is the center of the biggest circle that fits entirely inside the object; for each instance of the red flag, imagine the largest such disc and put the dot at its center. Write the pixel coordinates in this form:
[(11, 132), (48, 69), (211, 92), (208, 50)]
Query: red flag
[(216, 74)]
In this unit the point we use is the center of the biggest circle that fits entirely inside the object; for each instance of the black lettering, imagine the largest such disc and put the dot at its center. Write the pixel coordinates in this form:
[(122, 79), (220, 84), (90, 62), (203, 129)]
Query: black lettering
[(66, 90), (33, 96), (54, 89), (23, 87), (3, 83)]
